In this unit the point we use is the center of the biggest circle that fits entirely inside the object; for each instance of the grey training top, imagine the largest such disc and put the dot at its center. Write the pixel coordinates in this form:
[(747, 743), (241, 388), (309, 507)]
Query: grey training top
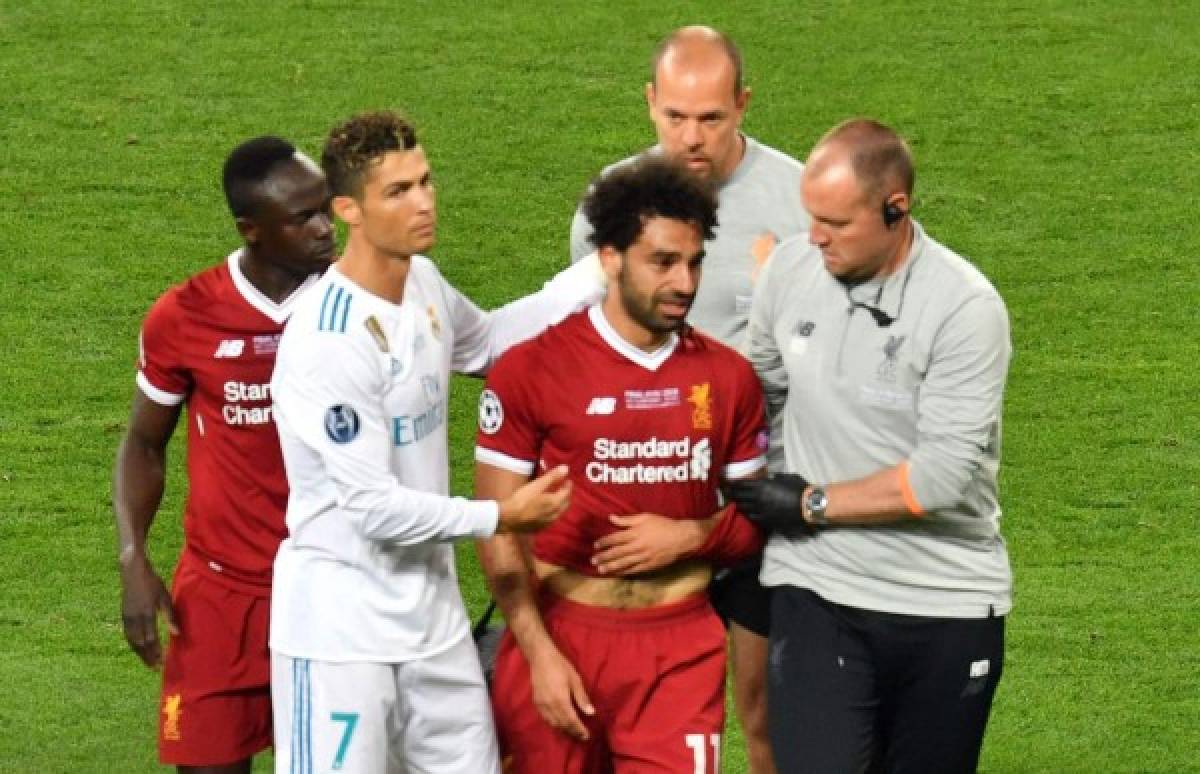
[(858, 397), (762, 195)]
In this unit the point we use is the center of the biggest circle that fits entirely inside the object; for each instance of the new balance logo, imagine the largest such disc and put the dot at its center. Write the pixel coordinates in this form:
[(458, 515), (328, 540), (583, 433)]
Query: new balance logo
[(230, 348), (601, 406)]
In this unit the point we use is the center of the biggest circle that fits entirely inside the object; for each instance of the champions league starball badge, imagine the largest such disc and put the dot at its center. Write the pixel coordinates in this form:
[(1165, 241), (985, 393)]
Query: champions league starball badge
[(491, 412), (341, 424)]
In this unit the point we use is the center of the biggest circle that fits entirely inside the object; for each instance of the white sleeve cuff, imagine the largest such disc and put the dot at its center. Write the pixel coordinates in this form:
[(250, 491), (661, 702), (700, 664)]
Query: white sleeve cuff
[(161, 397), (485, 516), (745, 468), (503, 461)]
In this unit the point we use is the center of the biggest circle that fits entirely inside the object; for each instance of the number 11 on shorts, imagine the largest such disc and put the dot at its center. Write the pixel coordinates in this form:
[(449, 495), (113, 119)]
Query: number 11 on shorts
[(700, 752)]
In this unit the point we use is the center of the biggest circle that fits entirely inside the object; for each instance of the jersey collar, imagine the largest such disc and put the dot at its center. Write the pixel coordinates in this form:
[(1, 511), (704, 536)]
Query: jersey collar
[(277, 313), (651, 361)]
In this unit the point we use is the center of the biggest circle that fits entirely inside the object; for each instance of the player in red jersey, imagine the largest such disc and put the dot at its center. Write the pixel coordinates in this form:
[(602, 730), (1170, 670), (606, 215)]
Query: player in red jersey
[(209, 344), (626, 674)]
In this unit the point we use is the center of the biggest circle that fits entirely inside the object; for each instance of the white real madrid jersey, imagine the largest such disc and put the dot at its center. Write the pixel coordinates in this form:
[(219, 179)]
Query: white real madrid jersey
[(367, 571)]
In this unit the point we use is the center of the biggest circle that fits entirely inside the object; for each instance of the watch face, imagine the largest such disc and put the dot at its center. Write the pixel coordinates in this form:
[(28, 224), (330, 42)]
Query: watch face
[(817, 502)]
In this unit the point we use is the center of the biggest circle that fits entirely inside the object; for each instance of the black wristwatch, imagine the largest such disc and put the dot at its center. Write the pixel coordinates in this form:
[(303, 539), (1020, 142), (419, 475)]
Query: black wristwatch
[(814, 507)]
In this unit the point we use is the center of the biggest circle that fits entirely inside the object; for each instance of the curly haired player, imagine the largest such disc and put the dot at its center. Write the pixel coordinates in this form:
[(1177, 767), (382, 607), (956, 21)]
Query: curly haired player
[(602, 672)]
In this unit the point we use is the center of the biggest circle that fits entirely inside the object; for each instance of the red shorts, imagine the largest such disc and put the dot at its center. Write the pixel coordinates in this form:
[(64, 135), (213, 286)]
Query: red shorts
[(656, 677), (216, 694)]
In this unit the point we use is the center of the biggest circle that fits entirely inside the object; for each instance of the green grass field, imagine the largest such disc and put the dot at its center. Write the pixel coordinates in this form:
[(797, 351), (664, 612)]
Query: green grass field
[(1057, 146)]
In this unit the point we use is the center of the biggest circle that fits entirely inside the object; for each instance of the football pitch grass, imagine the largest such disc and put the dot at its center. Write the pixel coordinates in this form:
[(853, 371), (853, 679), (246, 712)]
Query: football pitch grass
[(1056, 146)]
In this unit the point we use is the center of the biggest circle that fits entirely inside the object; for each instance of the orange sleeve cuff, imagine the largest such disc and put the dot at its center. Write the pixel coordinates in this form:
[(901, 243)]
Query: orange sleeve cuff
[(910, 500)]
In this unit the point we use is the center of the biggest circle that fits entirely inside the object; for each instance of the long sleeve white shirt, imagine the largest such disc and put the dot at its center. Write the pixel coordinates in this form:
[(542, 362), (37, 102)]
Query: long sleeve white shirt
[(360, 400)]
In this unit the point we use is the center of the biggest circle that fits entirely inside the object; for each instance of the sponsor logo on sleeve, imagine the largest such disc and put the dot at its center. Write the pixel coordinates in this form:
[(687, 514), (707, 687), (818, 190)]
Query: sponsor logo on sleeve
[(491, 412), (341, 423)]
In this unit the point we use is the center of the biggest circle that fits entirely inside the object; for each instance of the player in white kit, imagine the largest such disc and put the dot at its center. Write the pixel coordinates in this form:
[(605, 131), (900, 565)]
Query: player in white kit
[(372, 666)]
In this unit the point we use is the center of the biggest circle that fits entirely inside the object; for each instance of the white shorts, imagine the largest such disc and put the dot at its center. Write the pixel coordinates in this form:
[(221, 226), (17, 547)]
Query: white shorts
[(430, 716)]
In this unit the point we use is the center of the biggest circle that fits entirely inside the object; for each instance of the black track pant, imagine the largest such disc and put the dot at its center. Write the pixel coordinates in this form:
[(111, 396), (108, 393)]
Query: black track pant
[(853, 690)]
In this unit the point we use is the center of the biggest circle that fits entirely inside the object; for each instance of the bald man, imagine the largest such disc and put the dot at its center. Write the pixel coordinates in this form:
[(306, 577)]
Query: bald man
[(889, 354), (696, 100)]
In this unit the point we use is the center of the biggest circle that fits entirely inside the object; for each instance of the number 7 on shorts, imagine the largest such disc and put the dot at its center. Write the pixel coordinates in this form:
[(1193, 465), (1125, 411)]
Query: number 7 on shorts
[(351, 720)]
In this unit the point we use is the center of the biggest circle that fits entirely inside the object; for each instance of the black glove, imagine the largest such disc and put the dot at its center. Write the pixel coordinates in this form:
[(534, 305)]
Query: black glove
[(773, 503)]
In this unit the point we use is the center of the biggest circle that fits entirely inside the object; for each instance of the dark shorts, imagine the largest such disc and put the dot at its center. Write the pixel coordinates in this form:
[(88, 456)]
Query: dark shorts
[(656, 677), (216, 693), (739, 598)]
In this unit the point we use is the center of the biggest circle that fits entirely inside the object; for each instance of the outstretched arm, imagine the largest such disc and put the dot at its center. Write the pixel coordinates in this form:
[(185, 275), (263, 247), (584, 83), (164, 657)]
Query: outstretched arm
[(481, 337), (138, 481)]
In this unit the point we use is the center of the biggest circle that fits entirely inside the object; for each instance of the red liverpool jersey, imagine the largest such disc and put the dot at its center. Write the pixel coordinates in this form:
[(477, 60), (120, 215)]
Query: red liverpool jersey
[(640, 432), (210, 342)]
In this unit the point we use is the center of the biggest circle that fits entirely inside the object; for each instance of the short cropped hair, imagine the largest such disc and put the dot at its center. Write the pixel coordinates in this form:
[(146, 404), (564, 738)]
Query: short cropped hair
[(720, 38), (357, 144), (248, 165), (881, 159), (620, 202)]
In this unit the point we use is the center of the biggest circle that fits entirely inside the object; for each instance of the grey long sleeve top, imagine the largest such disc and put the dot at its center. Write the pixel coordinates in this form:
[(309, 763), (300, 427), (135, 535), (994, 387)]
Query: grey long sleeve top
[(858, 397)]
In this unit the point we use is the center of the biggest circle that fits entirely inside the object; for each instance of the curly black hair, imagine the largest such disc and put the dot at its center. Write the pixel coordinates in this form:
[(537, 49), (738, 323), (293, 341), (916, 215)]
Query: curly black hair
[(356, 144), (620, 201), (247, 166)]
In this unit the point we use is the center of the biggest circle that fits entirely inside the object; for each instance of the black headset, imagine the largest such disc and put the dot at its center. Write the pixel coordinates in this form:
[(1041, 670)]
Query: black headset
[(892, 214)]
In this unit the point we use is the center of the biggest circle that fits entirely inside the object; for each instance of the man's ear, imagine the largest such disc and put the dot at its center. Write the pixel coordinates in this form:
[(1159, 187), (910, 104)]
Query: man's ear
[(650, 98), (610, 263), (347, 209), (741, 102), (248, 229)]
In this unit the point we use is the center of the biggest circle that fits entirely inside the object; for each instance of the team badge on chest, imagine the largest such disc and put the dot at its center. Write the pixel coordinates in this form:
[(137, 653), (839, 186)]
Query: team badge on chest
[(701, 399), (886, 371)]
